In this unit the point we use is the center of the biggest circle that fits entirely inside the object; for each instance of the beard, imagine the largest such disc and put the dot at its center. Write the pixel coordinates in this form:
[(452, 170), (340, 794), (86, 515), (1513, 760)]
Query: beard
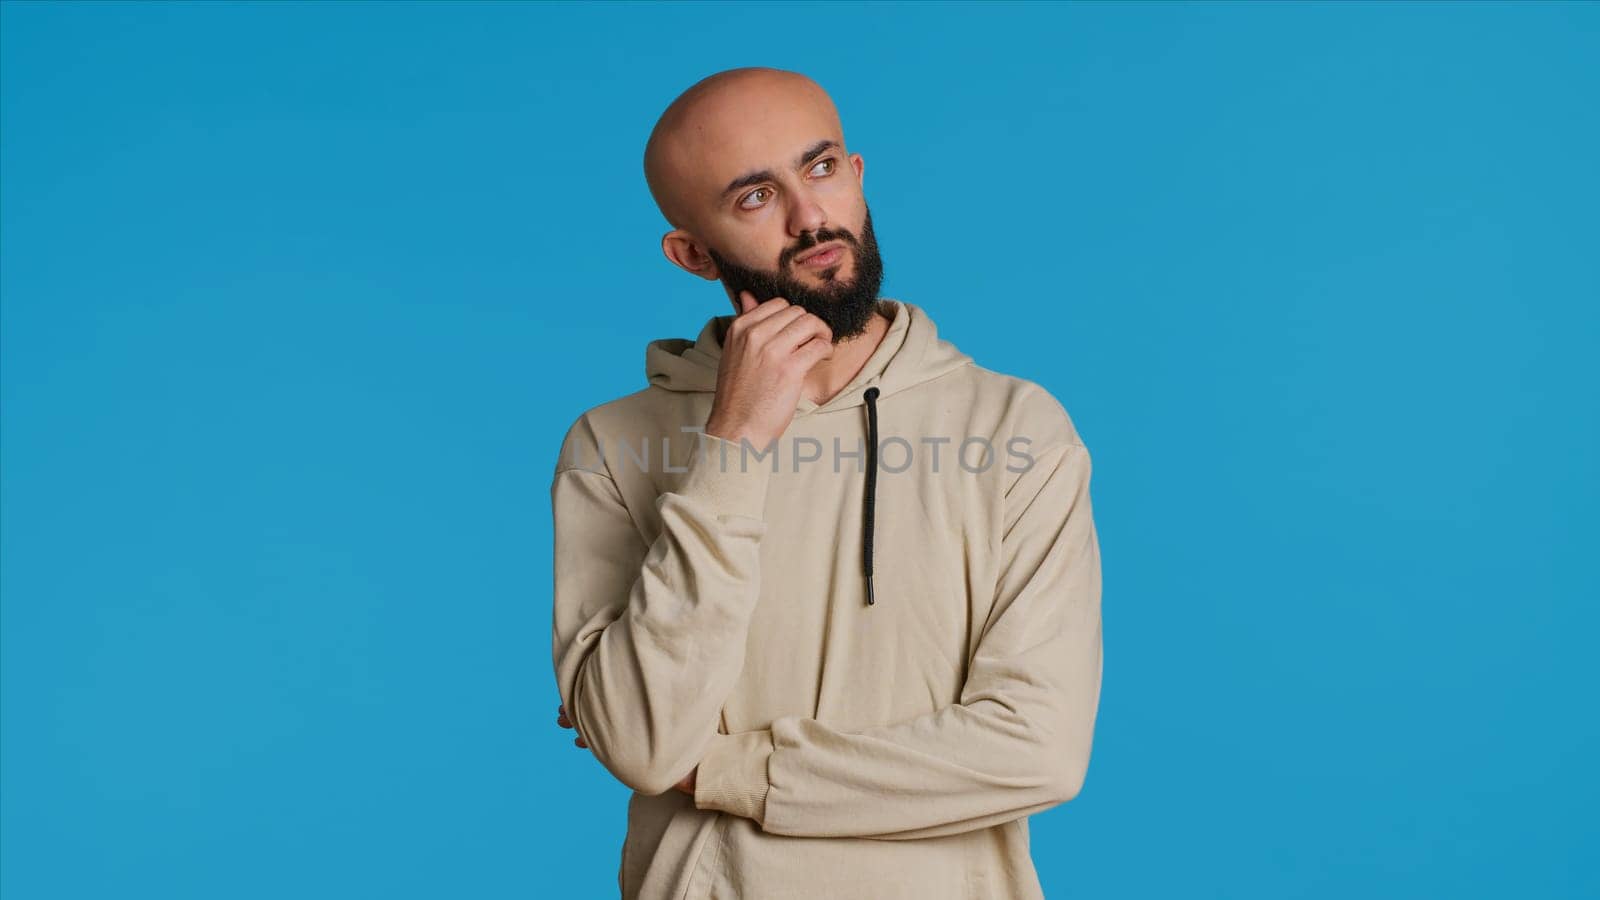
[(845, 305)]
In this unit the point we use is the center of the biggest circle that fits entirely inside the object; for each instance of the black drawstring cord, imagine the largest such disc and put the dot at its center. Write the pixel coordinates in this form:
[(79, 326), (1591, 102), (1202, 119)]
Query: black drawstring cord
[(871, 397)]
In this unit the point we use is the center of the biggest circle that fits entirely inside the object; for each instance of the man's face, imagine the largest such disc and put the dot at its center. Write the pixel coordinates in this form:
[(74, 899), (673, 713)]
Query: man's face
[(767, 190), (845, 303)]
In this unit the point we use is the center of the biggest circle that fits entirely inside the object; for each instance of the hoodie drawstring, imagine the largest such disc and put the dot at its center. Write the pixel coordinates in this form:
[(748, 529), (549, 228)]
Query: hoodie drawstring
[(871, 397)]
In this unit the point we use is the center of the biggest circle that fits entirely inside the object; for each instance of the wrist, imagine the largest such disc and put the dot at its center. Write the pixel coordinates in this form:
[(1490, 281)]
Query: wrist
[(731, 432)]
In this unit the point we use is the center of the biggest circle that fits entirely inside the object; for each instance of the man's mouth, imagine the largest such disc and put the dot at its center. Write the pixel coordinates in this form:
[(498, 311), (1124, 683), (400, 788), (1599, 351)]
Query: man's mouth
[(821, 256)]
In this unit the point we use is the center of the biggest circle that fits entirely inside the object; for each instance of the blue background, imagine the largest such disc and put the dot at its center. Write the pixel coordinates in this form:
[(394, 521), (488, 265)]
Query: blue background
[(298, 301)]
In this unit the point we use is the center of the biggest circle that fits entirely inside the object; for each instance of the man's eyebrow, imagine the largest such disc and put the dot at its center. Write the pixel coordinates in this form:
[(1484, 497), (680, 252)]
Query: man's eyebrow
[(812, 152)]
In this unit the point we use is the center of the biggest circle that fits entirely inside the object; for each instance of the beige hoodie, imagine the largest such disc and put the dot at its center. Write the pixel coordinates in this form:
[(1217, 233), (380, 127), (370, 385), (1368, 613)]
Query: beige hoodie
[(711, 608)]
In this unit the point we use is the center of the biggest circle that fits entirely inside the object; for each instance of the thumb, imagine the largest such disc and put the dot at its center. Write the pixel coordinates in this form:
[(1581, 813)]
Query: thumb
[(747, 302)]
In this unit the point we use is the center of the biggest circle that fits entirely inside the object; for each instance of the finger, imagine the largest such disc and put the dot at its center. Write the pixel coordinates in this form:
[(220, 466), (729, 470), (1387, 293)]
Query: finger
[(579, 742), (762, 332), (564, 722), (747, 302), (802, 329), (760, 311), (812, 352)]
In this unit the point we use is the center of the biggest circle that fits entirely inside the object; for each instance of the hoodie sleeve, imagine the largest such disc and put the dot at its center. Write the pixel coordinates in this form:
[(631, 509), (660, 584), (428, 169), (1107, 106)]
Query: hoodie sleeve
[(648, 640), (1017, 743)]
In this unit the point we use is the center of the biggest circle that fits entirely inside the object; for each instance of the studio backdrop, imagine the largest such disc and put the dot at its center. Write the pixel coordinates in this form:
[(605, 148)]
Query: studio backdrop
[(299, 300)]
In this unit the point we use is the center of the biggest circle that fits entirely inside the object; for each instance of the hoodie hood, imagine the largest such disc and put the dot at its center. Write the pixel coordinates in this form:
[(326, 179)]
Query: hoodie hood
[(911, 353)]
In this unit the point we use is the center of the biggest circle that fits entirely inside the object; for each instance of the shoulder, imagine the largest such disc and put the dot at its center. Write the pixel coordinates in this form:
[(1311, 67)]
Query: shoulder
[(636, 420), (1030, 411), (583, 443)]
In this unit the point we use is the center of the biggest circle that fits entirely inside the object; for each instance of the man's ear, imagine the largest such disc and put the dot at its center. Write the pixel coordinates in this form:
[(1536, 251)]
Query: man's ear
[(860, 165), (683, 251)]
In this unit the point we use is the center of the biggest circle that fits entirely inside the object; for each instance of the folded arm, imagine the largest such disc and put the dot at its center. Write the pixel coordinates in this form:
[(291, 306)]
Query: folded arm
[(1017, 743)]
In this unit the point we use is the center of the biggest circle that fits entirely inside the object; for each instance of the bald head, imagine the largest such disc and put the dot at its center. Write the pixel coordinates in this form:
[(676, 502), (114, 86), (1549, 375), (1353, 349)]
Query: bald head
[(726, 121)]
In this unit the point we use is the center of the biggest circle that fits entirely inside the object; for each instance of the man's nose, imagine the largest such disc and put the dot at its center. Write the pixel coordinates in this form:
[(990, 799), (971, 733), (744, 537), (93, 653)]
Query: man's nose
[(806, 215)]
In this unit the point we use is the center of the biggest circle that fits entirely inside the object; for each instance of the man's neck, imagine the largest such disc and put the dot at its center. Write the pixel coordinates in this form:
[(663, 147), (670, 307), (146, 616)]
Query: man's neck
[(828, 378)]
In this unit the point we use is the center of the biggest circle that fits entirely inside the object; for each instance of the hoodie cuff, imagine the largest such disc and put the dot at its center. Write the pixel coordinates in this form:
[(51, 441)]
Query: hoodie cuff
[(720, 476), (732, 777)]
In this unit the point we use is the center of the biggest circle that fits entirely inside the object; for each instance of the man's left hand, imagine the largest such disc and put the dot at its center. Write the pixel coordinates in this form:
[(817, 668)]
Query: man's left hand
[(686, 785)]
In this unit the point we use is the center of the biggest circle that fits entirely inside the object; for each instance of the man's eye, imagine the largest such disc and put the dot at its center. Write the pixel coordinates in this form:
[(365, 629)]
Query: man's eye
[(748, 197), (830, 163)]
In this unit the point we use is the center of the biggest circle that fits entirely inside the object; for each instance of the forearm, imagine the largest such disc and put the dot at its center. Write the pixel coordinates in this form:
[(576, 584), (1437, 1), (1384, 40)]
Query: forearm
[(964, 767)]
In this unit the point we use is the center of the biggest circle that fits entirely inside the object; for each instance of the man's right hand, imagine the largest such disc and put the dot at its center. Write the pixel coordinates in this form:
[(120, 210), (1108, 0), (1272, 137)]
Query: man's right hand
[(768, 350)]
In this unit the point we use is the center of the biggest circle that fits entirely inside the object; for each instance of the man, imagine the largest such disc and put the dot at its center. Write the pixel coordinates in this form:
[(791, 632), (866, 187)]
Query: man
[(827, 593)]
